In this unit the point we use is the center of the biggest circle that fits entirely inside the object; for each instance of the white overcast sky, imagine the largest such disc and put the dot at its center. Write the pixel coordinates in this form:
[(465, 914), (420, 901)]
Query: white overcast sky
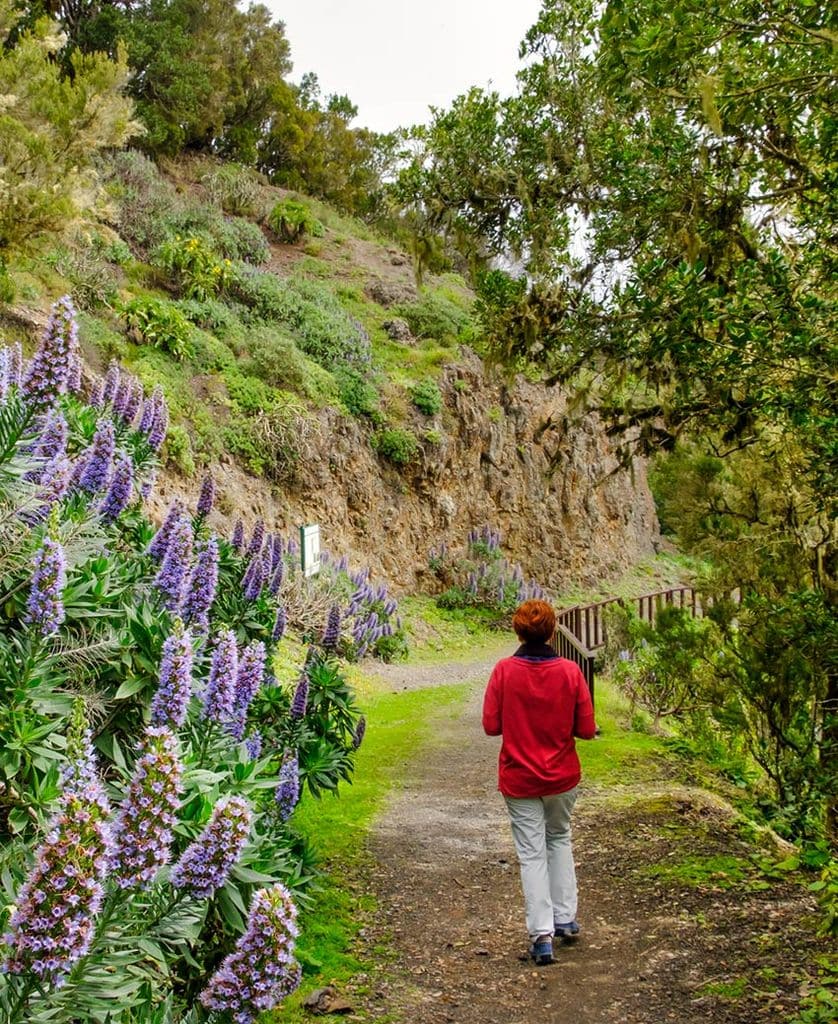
[(395, 58)]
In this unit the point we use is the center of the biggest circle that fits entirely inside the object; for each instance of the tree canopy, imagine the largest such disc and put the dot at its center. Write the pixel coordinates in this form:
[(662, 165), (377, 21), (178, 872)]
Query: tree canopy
[(652, 222)]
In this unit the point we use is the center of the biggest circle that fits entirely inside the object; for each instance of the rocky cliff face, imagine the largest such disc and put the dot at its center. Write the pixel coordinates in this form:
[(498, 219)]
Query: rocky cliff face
[(506, 457)]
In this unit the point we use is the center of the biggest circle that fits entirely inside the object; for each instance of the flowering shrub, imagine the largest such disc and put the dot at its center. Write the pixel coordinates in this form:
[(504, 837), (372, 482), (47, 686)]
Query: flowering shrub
[(173, 657), (199, 273), (480, 576)]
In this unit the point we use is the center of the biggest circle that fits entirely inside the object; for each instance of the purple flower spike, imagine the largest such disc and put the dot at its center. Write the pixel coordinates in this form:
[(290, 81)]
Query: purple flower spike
[(54, 919), (279, 625), (261, 971), (132, 402), (14, 368), (97, 468), (253, 578), (159, 545), (358, 735), (203, 583), (207, 862), (275, 585), (147, 418), (220, 694), (122, 397), (206, 497), (96, 398), (171, 700), (331, 635), (160, 426), (55, 485), (256, 540), (49, 373), (253, 744), (145, 823), (238, 536), (249, 679), (53, 439), (300, 702), (174, 571), (147, 486), (119, 493), (111, 383), (45, 607), (287, 792)]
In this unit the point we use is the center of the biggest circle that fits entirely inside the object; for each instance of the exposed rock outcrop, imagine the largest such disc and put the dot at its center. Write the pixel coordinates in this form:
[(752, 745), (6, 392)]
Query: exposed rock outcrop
[(501, 453)]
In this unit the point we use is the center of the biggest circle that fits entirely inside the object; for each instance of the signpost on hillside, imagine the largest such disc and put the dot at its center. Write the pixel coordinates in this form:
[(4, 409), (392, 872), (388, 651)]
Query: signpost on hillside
[(310, 550)]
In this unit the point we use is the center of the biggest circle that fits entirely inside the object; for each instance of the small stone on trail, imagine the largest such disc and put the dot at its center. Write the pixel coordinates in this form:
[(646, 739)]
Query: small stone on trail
[(326, 1000)]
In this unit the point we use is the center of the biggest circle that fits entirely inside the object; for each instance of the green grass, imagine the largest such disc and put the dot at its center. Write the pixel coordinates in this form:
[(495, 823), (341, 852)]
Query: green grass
[(719, 871), (733, 989), (619, 754), (440, 634), (338, 828)]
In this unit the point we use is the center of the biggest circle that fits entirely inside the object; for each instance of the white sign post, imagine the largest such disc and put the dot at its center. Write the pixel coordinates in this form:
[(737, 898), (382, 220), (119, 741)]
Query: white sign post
[(310, 550)]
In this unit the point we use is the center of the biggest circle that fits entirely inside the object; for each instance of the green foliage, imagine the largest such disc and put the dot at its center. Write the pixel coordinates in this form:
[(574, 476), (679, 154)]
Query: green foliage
[(291, 220), (51, 129), (198, 272), (670, 671), (236, 189), (90, 265), (427, 397), (396, 445), (159, 323), (674, 227), (357, 393), (435, 315), (178, 450)]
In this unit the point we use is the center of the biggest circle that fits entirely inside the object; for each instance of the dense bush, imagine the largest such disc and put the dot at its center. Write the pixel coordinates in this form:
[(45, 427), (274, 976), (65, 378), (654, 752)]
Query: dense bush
[(480, 576), (358, 393), (434, 315), (320, 326), (396, 445), (159, 323), (196, 269), (234, 188), (291, 220), (426, 397)]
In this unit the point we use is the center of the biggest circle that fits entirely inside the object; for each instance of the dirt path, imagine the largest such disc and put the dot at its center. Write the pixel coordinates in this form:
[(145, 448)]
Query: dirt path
[(447, 883)]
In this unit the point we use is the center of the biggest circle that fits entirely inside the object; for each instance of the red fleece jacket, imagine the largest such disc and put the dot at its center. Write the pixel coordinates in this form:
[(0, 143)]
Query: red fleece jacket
[(538, 706)]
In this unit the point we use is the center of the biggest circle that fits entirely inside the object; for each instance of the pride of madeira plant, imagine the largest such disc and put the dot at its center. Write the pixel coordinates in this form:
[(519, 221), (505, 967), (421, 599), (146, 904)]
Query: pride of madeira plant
[(147, 860)]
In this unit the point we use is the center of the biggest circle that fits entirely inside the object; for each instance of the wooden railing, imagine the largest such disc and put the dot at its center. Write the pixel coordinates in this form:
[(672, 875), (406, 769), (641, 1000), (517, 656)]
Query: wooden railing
[(585, 622), (580, 631)]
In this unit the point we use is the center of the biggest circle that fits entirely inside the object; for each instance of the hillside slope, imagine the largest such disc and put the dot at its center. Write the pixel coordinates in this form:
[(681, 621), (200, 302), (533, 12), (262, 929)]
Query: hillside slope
[(320, 384)]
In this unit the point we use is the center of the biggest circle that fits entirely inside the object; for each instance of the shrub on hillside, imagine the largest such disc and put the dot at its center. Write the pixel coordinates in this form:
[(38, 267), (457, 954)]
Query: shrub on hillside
[(396, 445), (159, 323), (89, 265), (290, 220), (236, 189), (273, 355), (146, 202), (311, 312), (357, 393), (480, 576), (434, 315), (195, 267), (427, 397)]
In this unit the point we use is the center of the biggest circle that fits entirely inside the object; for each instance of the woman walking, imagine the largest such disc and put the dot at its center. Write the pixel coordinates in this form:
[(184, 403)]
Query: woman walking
[(538, 702)]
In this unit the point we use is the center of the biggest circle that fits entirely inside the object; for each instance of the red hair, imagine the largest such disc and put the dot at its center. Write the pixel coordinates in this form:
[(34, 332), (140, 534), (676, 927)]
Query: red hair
[(534, 620)]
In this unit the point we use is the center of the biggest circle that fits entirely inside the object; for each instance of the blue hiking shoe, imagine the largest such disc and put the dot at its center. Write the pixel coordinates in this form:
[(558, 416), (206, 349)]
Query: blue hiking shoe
[(567, 932), (542, 951)]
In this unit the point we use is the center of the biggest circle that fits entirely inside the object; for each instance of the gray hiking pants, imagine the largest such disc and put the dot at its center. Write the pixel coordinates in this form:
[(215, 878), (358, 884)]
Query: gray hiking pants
[(541, 830)]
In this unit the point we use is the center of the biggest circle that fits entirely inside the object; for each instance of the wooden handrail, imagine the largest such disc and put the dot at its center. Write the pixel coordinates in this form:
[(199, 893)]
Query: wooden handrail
[(580, 631)]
